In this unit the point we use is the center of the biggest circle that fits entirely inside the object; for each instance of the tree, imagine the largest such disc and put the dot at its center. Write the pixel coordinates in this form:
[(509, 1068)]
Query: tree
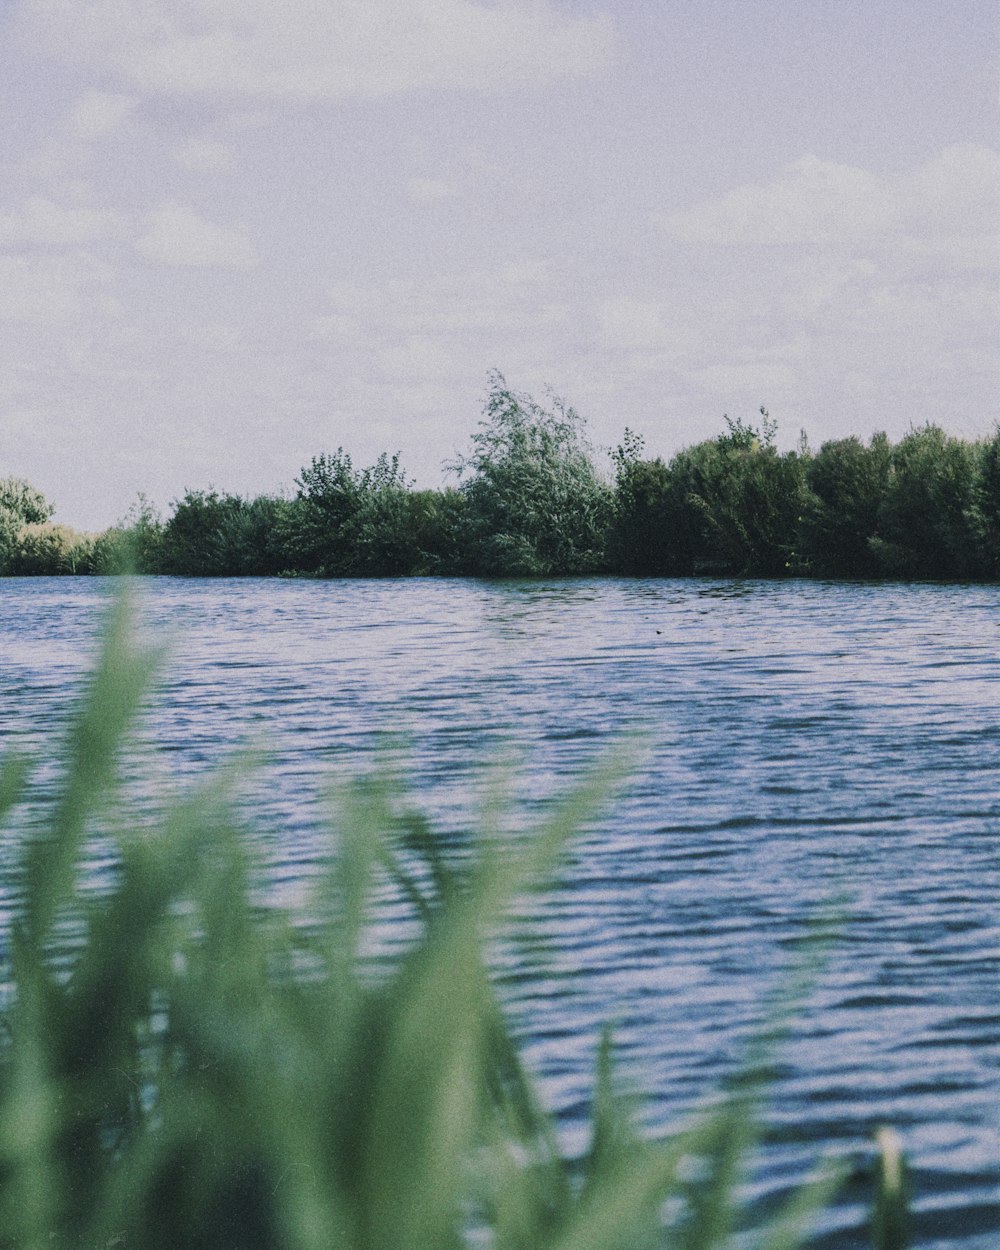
[(927, 523), (20, 500), (535, 504), (639, 540), (986, 512), (20, 504), (733, 503), (847, 482), (353, 522)]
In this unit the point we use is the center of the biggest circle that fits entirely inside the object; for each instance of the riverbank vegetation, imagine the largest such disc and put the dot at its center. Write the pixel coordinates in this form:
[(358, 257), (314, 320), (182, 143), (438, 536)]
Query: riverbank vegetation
[(184, 1064), (529, 500)]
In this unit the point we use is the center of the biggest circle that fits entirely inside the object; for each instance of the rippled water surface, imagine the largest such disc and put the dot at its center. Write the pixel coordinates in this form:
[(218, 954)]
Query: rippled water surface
[(805, 742)]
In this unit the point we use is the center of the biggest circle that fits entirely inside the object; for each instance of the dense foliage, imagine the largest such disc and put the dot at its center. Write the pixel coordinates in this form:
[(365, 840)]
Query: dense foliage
[(535, 504), (531, 502), (181, 1066)]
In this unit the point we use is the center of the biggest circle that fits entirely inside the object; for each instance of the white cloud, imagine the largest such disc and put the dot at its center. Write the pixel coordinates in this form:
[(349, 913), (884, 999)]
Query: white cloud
[(949, 207), (318, 50), (807, 202), (512, 299), (177, 235), (889, 278), (99, 114), (205, 156), (52, 289), (40, 221)]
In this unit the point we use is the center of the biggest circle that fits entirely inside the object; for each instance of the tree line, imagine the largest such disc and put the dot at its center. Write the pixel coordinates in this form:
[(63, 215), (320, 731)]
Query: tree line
[(530, 501)]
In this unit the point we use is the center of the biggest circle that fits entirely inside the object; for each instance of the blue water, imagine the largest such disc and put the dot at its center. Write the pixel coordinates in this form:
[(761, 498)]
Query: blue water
[(807, 749)]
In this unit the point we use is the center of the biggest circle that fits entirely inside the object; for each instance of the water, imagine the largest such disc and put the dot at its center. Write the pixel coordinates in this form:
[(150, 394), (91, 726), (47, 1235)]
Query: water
[(804, 743)]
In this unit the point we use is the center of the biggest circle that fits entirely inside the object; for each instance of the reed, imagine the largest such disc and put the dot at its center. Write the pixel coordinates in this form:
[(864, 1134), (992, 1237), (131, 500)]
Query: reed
[(181, 1066)]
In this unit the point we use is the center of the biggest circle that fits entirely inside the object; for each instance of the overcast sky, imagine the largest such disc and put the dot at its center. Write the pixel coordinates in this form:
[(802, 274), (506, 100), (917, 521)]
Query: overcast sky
[(237, 233)]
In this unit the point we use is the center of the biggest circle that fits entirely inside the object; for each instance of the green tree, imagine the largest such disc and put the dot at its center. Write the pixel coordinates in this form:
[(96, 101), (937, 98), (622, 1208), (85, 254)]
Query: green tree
[(927, 518), (434, 521), (222, 535), (353, 522), (20, 504), (733, 504), (135, 544), (986, 509), (20, 499), (847, 483), (639, 540), (535, 504)]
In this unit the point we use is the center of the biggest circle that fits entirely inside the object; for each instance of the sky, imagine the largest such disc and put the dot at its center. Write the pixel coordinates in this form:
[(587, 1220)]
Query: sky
[(235, 234)]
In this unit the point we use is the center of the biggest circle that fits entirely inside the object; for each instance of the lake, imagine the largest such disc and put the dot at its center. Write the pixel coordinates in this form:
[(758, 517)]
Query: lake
[(807, 746)]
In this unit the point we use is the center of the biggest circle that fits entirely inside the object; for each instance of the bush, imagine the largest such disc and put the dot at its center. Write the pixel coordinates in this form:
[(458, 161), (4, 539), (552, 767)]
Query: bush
[(46, 550), (215, 535), (353, 522), (182, 1068), (732, 504), (20, 505), (134, 545), (639, 539), (847, 483), (20, 499), (435, 521), (534, 502), (927, 517), (986, 509)]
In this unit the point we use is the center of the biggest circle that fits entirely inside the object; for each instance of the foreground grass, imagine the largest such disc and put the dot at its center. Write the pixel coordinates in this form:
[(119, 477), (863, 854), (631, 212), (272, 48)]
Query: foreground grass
[(181, 1069)]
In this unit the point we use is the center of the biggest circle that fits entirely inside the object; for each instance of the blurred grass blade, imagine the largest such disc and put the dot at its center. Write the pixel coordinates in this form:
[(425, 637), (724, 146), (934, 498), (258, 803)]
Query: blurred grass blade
[(121, 680), (13, 774), (891, 1216), (196, 1067), (791, 1225)]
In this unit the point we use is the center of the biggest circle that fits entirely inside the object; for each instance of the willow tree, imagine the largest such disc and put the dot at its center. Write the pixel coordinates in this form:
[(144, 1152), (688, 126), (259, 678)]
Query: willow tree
[(21, 504), (535, 504)]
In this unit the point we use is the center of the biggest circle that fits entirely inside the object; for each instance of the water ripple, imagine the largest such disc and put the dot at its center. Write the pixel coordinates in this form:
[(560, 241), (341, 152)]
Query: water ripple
[(807, 744)]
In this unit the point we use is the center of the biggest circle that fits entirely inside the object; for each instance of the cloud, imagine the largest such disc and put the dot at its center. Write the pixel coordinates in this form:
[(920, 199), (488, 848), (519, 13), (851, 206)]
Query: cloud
[(176, 235), (58, 289), (205, 156), (317, 50), (807, 202), (884, 283), (946, 206), (512, 303), (625, 323), (42, 222), (98, 114)]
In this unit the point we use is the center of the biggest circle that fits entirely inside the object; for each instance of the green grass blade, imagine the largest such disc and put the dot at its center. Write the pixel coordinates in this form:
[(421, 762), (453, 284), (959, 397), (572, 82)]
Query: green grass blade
[(890, 1222), (790, 1227), (121, 680)]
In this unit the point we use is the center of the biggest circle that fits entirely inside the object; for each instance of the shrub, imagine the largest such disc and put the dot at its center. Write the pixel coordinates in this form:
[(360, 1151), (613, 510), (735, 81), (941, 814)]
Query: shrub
[(927, 517), (20, 505), (45, 550), (134, 545), (221, 535), (733, 504), (353, 522), (20, 499), (639, 539), (181, 1067), (435, 521), (534, 502), (986, 509), (847, 483)]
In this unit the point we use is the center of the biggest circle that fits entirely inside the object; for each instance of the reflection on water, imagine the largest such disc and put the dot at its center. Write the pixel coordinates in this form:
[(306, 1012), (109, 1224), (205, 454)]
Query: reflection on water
[(803, 740)]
